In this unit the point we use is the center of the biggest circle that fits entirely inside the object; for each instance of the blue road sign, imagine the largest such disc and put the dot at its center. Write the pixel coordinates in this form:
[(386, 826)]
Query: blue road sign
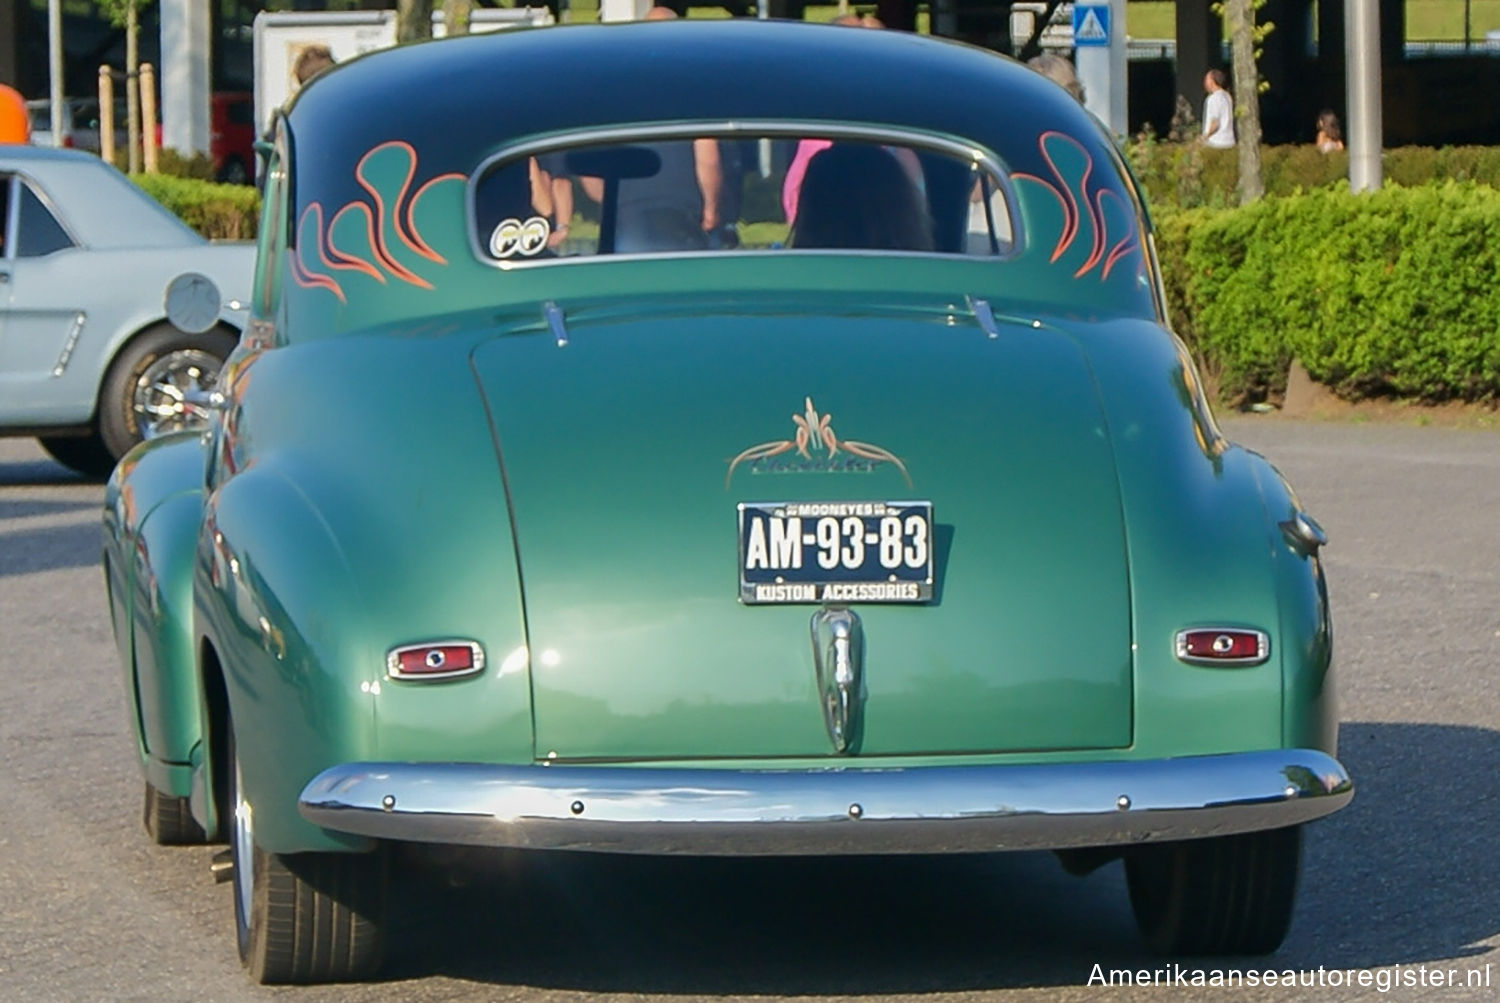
[(1090, 25)]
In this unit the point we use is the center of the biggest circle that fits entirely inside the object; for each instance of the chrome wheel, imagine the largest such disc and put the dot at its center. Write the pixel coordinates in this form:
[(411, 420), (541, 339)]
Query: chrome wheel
[(172, 393), (242, 839)]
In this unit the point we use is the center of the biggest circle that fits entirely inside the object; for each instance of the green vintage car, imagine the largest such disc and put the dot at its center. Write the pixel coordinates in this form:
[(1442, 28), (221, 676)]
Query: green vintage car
[(724, 438)]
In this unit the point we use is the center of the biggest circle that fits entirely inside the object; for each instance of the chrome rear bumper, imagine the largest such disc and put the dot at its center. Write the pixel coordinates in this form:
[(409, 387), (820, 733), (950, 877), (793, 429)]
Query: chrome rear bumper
[(937, 809)]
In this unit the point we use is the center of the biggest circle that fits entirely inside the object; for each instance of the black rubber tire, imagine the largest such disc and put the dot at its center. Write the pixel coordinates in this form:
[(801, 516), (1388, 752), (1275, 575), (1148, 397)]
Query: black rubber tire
[(312, 917), (83, 453), (1226, 895), (169, 820), (117, 422)]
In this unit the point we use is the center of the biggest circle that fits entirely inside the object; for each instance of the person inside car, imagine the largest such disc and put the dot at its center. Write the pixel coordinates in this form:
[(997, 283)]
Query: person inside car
[(859, 196)]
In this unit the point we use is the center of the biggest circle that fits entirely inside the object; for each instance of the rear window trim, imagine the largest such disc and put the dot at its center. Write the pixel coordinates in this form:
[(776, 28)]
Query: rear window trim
[(960, 149)]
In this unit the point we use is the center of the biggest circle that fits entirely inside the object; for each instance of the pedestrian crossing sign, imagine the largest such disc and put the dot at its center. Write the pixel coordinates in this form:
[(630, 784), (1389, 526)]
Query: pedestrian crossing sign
[(1090, 25)]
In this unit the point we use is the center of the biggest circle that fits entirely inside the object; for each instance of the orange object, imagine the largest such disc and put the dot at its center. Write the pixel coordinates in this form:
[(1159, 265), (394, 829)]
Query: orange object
[(15, 125)]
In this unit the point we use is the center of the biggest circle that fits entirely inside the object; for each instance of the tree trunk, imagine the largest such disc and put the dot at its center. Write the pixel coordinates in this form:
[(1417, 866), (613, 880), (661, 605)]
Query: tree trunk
[(133, 87), (1241, 17), (413, 20), (456, 14)]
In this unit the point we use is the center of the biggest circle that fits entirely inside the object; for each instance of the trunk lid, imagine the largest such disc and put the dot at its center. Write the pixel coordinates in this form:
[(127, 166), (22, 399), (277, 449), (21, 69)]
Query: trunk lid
[(620, 450)]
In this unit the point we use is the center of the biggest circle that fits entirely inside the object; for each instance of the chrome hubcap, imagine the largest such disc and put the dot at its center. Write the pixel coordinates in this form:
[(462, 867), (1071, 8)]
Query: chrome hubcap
[(244, 849), (173, 393)]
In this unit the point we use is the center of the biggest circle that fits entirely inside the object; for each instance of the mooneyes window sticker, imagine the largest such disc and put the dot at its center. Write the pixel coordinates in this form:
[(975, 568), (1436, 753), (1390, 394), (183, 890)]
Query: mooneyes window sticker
[(513, 237)]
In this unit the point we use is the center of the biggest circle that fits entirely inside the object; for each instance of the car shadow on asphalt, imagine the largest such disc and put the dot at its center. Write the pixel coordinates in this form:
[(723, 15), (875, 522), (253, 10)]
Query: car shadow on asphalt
[(1397, 877), (49, 548), (26, 508), (41, 472)]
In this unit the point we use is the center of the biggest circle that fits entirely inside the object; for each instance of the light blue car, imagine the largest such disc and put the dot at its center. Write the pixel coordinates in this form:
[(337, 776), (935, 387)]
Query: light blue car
[(114, 315)]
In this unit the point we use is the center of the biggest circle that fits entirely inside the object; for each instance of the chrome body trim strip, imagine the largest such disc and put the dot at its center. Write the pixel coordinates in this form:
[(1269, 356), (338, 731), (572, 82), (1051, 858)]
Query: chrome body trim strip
[(74, 331), (834, 810)]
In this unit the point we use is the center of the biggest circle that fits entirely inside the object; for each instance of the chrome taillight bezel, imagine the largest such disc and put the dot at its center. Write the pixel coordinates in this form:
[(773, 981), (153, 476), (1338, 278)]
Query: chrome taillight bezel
[(393, 668), (1181, 645)]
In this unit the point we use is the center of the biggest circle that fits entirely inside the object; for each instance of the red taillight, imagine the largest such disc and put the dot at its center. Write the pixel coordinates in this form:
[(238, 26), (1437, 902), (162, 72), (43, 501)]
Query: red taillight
[(438, 660), (1223, 646), (67, 140)]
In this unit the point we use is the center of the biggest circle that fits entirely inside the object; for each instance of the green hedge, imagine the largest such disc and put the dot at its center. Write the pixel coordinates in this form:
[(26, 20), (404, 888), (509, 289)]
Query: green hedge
[(1395, 292), (170, 161), (1189, 176), (219, 212)]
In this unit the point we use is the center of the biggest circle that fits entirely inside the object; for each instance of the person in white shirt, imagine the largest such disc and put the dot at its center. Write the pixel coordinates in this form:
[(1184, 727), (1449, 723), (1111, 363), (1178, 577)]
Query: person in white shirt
[(1218, 111)]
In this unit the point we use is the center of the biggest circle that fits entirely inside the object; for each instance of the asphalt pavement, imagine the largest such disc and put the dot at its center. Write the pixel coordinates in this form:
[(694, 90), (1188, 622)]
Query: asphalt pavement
[(1402, 885)]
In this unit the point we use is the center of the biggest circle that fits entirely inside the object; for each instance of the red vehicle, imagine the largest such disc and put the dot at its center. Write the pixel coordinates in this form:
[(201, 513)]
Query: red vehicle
[(232, 142)]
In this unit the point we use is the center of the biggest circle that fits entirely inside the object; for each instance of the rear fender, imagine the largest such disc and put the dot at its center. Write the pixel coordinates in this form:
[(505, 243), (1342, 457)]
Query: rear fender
[(151, 513), (1199, 544), (1310, 710), (276, 602)]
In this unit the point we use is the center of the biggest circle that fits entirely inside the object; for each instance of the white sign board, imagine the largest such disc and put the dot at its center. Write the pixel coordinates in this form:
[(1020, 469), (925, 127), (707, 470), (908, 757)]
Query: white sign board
[(281, 36)]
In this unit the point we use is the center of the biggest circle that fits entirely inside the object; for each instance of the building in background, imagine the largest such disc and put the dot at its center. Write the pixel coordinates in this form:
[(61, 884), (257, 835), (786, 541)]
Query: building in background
[(1433, 93)]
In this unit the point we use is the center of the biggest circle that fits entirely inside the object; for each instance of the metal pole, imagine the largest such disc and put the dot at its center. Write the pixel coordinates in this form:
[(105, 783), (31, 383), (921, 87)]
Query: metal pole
[(763, 148), (1362, 56), (55, 68), (1102, 69)]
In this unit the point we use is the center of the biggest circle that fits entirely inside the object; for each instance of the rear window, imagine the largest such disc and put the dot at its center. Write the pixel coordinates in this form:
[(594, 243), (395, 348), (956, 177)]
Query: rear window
[(38, 233), (711, 194)]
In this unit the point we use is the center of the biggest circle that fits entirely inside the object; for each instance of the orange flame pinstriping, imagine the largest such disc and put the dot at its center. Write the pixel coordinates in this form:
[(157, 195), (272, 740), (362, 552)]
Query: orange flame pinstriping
[(1070, 228), (310, 280), (1096, 251), (416, 243), (1125, 244), (339, 261), (343, 259), (303, 275), (1068, 219), (381, 251), (401, 221), (1072, 217), (411, 239)]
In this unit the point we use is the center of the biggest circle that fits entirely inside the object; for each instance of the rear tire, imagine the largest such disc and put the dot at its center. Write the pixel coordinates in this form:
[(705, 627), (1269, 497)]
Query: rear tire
[(84, 453), (155, 384), (304, 917), (169, 820), (1225, 895)]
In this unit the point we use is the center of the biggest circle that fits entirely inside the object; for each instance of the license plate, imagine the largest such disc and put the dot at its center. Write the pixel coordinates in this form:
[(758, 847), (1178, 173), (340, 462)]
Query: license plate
[(835, 552)]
